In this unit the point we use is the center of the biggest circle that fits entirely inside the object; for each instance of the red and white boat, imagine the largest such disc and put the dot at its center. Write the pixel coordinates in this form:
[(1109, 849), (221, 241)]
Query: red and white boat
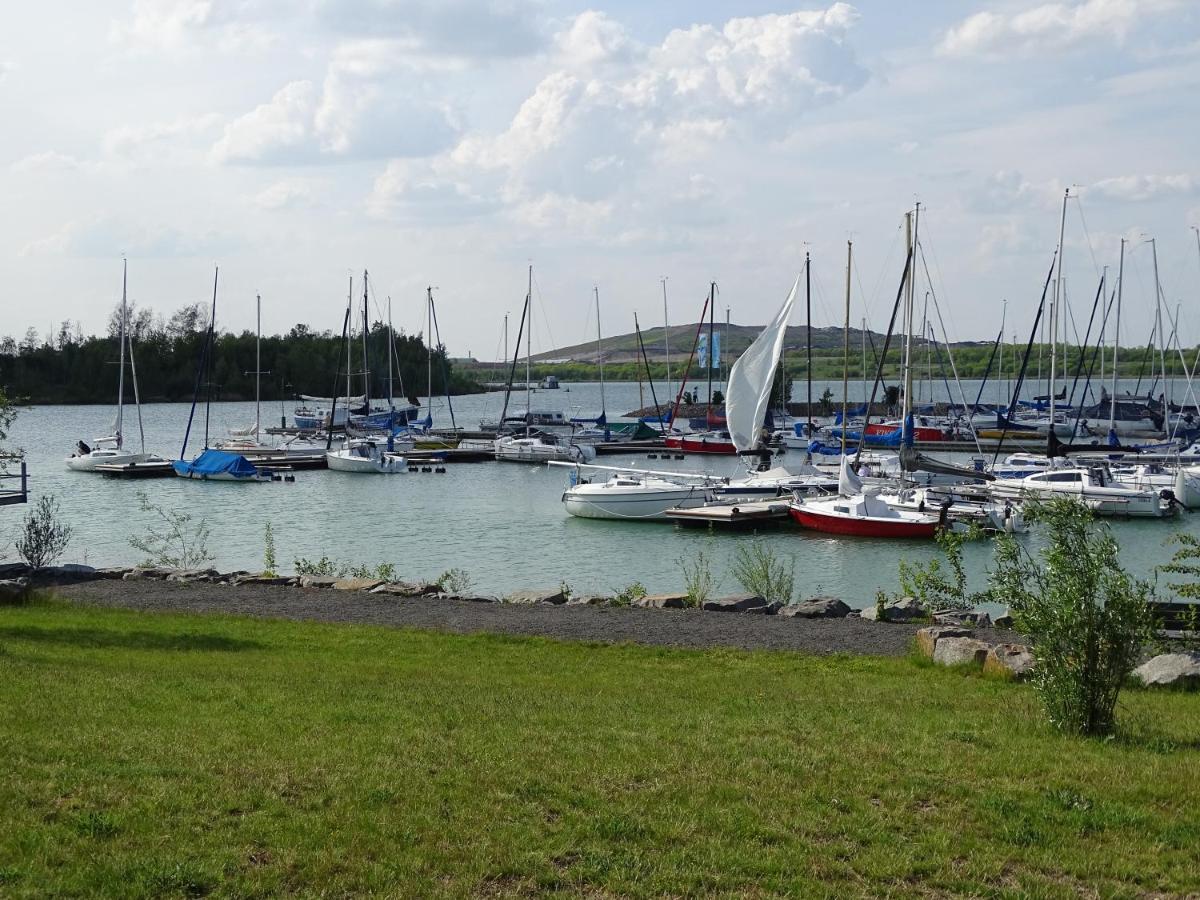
[(861, 514), (711, 442), (921, 432)]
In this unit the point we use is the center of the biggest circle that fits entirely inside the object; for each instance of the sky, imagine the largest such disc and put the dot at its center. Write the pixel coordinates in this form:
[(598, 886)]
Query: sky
[(453, 143)]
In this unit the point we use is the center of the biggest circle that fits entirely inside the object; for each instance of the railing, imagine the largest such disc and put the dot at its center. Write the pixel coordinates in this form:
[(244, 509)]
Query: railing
[(16, 496)]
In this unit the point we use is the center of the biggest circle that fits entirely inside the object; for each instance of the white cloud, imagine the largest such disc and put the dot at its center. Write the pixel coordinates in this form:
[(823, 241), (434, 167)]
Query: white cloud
[(277, 131), (48, 161), (290, 193), (141, 141), (111, 237), (1145, 187), (593, 39), (1048, 26)]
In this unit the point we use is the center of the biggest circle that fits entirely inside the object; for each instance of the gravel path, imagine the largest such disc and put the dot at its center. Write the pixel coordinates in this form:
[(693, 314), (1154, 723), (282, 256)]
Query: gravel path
[(673, 628)]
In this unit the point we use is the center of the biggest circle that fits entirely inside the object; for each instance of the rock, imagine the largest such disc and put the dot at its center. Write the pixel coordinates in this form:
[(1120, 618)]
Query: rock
[(906, 609), (736, 603), (139, 573), (12, 570), (965, 617), (661, 601), (1004, 621), (192, 575), (817, 608), (555, 596), (68, 572), (1010, 661), (927, 638), (249, 578), (407, 589), (590, 600), (471, 598), (12, 589), (114, 572), (317, 581), (955, 651), (1177, 670), (357, 584)]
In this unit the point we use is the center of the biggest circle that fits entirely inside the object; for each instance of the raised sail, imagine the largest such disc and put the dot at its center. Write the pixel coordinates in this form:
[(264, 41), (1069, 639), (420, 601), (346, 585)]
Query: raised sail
[(750, 379)]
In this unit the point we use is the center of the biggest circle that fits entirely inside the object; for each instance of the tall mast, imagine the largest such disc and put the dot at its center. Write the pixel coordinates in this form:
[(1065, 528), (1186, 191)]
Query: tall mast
[(429, 351), (863, 336), (712, 305), (1000, 374), (808, 336), (257, 364), (506, 337), (846, 349), (666, 338), (212, 331), (1162, 356), (599, 357), (391, 341), (349, 306), (366, 365), (529, 353), (906, 324), (721, 355), (1054, 307), (121, 371)]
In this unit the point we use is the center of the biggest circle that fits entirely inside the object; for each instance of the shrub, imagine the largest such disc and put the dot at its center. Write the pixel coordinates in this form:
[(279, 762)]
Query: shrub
[(454, 581), (698, 579), (43, 538), (177, 543), (268, 551), (625, 596), (1088, 618), (761, 572), (932, 585)]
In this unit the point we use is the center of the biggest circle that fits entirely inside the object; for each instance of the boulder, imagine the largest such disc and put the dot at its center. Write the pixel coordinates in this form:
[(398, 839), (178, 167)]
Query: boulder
[(13, 570), (906, 609), (956, 651), (555, 596), (963, 617), (471, 598), (1004, 621), (406, 589), (317, 581), (817, 608), (736, 603), (357, 584), (140, 573), (662, 601), (1176, 670), (590, 600), (12, 589), (261, 579), (1009, 661), (927, 638), (113, 572), (68, 572), (193, 575)]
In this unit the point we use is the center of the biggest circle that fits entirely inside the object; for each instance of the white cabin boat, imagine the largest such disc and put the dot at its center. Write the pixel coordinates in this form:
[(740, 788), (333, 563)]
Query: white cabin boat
[(632, 497), (1092, 486)]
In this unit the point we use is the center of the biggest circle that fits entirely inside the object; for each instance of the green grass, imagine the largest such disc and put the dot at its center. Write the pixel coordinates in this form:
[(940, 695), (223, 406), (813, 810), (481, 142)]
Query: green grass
[(150, 755)]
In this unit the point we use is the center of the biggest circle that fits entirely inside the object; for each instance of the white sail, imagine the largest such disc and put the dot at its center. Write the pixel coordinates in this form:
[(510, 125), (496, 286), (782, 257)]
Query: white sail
[(849, 484), (750, 379)]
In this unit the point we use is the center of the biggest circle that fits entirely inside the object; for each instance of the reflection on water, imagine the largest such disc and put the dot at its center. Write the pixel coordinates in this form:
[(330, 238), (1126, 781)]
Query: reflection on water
[(502, 522)]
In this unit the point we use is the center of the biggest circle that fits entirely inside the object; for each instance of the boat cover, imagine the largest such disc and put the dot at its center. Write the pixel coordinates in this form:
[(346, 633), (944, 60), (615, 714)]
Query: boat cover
[(217, 462)]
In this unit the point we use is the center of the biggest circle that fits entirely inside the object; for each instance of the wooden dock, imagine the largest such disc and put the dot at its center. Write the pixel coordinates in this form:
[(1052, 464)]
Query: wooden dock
[(753, 514), (18, 495)]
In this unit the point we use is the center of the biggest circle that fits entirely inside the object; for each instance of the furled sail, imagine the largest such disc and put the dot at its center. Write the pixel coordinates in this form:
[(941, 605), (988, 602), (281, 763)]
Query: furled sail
[(849, 484), (750, 379)]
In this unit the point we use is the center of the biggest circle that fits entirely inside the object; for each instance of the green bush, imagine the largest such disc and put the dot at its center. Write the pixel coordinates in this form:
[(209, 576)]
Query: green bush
[(1088, 618), (454, 581), (176, 542), (759, 571), (932, 585), (269, 551), (625, 596), (43, 538), (698, 579)]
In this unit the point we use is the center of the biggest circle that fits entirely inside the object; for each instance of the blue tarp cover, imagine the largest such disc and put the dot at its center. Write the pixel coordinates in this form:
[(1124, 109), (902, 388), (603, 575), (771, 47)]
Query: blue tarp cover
[(216, 462)]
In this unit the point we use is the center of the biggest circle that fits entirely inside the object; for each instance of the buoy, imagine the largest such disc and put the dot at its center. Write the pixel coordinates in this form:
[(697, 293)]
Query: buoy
[(651, 456), (275, 477), (426, 468), (290, 478), (679, 456), (441, 470)]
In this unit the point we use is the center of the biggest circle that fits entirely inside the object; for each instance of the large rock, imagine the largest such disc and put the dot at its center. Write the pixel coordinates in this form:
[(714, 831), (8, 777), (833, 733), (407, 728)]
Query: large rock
[(968, 618), (262, 579), (407, 589), (317, 581), (13, 589), (68, 572), (1004, 621), (662, 601), (736, 603), (357, 584), (590, 600), (957, 651), (141, 573), (1009, 661), (11, 570), (927, 638), (113, 572), (906, 609), (1176, 670), (188, 576), (817, 608), (471, 598), (555, 596)]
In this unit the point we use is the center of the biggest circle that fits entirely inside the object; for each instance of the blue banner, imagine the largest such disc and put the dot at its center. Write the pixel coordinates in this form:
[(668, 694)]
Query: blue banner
[(716, 351)]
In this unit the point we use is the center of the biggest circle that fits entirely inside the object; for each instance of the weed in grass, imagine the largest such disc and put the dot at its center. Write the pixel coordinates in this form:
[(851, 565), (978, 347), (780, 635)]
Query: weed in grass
[(95, 824), (9, 875), (168, 879)]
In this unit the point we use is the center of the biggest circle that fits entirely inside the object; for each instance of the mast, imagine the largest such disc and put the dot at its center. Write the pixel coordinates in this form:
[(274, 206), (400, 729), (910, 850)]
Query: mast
[(366, 366), (429, 350), (121, 371), (257, 365), (1162, 356), (529, 354), (349, 306), (666, 339), (1112, 401), (724, 376), (863, 335), (808, 337), (906, 324), (137, 400), (212, 326), (599, 357), (1000, 375), (712, 305), (391, 341), (846, 348), (1054, 307)]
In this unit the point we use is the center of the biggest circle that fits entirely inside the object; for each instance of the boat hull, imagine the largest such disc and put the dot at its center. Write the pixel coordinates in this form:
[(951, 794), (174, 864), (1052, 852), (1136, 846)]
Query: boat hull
[(712, 446), (366, 465), (860, 526), (635, 505)]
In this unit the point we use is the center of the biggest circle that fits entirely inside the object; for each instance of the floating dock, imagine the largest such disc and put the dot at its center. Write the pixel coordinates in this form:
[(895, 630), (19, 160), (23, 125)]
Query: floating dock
[(450, 455), (756, 513)]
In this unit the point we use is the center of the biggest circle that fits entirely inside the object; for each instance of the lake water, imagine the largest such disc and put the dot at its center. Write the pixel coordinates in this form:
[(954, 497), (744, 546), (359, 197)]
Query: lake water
[(501, 522)]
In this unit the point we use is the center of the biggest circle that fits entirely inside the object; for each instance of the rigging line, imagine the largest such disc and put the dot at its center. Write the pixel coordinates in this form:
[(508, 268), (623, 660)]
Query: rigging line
[(869, 299), (1087, 235), (537, 287)]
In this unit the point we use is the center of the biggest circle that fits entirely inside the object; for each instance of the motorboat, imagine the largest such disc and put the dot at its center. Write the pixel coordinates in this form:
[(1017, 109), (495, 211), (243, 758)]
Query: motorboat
[(218, 465), (632, 496), (1182, 481), (366, 457), (1092, 486), (107, 452), (540, 449)]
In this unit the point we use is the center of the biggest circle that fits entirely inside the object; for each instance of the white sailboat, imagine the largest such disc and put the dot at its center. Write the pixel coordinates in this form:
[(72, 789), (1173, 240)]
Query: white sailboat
[(111, 450)]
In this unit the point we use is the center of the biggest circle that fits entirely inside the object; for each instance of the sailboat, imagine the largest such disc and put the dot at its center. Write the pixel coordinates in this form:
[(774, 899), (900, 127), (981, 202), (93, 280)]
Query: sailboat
[(598, 430), (711, 439), (111, 450), (212, 464)]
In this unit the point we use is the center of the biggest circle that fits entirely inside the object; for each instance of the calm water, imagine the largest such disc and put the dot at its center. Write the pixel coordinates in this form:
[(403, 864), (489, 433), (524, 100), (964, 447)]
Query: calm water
[(502, 522)]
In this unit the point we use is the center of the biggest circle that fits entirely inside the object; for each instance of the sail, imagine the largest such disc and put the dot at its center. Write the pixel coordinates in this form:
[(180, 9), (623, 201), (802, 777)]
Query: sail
[(751, 377), (849, 484)]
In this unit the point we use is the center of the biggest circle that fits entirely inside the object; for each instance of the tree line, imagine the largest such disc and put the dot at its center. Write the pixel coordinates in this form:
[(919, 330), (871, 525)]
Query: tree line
[(68, 367)]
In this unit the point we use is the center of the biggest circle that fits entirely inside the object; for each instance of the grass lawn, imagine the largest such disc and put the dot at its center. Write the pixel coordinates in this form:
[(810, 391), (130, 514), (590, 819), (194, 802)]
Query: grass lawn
[(159, 754)]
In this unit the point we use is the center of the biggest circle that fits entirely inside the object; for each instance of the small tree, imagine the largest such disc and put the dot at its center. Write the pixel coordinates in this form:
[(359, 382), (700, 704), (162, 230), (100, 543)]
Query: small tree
[(43, 537), (176, 542), (1088, 618), (932, 585), (698, 579), (1184, 562), (269, 551), (761, 572)]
